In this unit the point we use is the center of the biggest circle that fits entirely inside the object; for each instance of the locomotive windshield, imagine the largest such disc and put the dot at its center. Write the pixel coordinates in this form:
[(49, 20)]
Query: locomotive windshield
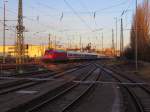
[(47, 52)]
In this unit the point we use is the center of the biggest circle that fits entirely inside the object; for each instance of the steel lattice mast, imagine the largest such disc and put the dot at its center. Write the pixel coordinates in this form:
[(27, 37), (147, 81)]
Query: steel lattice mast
[(20, 49)]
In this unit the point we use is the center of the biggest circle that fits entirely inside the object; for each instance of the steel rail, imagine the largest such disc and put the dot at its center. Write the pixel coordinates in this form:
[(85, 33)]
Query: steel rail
[(25, 107), (135, 98), (69, 106), (60, 94)]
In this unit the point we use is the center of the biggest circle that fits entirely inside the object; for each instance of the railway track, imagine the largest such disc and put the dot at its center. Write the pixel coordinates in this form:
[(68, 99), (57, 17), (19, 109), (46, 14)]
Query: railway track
[(14, 66), (17, 85), (76, 100), (65, 99), (49, 95), (56, 86), (136, 92), (24, 83), (45, 73), (58, 73)]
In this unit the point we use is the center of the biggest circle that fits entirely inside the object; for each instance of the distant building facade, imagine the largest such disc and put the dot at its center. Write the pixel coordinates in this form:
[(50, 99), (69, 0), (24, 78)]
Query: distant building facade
[(31, 50)]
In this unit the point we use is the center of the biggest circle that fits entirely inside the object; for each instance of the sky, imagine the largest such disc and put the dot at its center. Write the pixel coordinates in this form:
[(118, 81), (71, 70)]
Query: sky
[(69, 20)]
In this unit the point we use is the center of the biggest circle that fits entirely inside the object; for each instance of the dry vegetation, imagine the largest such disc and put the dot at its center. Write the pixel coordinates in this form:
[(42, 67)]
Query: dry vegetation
[(142, 18)]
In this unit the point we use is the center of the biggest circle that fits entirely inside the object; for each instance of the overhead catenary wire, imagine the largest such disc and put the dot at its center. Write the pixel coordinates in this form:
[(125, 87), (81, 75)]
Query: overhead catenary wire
[(76, 11), (28, 18), (113, 6), (98, 11), (92, 14), (78, 15)]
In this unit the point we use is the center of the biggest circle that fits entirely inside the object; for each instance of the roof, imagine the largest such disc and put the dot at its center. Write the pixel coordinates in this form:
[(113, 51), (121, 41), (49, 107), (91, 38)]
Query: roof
[(59, 51), (73, 52)]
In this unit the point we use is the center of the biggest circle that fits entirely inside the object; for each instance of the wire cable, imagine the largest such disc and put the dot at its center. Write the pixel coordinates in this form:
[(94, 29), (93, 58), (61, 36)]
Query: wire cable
[(82, 20)]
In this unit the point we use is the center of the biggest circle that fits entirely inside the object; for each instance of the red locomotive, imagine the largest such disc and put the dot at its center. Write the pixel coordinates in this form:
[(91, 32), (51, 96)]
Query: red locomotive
[(61, 55), (55, 55)]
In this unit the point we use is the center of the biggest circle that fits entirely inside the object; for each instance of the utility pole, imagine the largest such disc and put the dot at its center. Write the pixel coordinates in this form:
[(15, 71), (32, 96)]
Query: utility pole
[(55, 42), (20, 49), (67, 43), (4, 38), (116, 35), (121, 39), (136, 43), (102, 43), (49, 41), (70, 44), (113, 46), (80, 43)]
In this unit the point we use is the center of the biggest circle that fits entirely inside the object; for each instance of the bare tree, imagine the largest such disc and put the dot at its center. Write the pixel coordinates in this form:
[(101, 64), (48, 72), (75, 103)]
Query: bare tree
[(142, 19)]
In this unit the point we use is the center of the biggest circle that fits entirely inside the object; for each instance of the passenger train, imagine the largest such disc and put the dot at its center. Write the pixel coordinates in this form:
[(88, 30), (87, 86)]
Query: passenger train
[(61, 55)]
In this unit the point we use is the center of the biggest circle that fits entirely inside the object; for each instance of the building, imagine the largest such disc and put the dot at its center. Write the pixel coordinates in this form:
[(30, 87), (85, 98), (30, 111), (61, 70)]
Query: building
[(31, 50)]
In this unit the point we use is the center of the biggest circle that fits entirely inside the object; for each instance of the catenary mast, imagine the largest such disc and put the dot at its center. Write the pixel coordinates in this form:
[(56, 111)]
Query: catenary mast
[(20, 49)]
